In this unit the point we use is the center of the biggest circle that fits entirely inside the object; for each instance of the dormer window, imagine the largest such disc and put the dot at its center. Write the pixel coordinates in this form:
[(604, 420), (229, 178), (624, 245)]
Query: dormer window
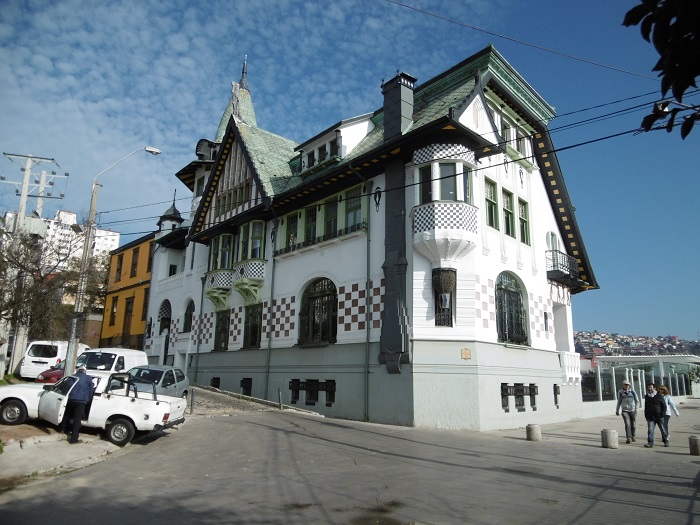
[(322, 153), (310, 159), (335, 151)]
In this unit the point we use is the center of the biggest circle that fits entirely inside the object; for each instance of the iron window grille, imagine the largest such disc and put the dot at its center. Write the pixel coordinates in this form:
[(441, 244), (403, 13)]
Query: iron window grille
[(318, 319), (510, 311), (252, 329)]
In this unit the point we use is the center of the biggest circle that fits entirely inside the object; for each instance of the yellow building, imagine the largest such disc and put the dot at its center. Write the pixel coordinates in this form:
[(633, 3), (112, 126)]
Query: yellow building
[(128, 286)]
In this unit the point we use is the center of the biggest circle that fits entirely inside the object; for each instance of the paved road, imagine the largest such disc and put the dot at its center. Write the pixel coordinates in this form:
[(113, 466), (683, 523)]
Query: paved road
[(289, 468)]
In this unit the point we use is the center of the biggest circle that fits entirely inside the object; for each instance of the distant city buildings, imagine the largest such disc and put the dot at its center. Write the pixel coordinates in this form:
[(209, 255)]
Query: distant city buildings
[(62, 235), (591, 344)]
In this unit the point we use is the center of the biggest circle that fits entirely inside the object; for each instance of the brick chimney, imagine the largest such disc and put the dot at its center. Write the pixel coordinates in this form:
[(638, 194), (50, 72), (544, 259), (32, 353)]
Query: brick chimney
[(398, 104)]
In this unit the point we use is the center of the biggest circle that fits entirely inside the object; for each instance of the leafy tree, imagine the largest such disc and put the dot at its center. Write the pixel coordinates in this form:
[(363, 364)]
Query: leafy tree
[(673, 27), (36, 278)]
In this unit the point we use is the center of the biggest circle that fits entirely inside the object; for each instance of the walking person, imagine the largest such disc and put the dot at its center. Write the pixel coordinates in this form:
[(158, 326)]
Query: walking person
[(670, 405), (654, 411), (628, 402), (78, 399)]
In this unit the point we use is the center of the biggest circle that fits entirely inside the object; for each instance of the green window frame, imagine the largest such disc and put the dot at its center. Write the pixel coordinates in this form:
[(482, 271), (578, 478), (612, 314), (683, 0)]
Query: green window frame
[(330, 212), (523, 217), (426, 185), (353, 207), (467, 178), (448, 181), (252, 329), (292, 227), (491, 207), (310, 223), (508, 214)]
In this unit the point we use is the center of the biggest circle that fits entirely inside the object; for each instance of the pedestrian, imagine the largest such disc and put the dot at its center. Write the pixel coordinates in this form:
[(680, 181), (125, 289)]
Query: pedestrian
[(628, 402), (654, 411), (79, 397), (670, 405)]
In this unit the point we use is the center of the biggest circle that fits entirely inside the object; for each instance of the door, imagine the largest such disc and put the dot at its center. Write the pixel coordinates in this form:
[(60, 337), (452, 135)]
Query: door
[(168, 385), (52, 404)]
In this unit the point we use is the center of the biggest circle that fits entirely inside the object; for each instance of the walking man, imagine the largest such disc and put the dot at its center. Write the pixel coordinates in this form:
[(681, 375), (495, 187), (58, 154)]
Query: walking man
[(628, 402), (654, 412)]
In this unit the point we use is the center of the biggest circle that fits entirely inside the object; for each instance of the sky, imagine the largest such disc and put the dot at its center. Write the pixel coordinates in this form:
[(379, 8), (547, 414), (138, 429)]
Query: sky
[(87, 83)]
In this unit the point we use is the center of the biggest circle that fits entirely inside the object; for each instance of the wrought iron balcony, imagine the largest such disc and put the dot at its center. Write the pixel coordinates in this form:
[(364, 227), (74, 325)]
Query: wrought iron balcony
[(562, 268), (445, 231)]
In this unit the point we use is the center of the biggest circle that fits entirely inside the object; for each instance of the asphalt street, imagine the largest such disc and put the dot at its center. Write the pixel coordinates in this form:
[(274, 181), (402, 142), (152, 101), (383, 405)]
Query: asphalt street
[(283, 467)]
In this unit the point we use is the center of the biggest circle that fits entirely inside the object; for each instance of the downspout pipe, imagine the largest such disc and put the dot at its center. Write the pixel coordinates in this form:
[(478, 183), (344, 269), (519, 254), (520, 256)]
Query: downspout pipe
[(271, 310), (199, 328), (368, 305)]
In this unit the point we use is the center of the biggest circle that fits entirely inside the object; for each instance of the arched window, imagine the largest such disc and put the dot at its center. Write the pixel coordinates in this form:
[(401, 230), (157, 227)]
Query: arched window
[(510, 310), (189, 314), (318, 318)]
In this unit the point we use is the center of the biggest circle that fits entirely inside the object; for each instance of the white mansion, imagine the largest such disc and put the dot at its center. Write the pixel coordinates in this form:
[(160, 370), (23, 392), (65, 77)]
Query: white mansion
[(410, 266)]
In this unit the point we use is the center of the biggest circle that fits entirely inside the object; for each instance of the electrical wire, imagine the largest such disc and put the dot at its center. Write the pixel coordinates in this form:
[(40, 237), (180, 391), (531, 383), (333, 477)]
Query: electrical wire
[(517, 41)]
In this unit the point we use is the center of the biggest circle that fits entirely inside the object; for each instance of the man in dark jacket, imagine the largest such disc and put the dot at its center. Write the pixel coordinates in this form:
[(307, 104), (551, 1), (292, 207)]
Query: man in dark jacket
[(78, 399), (654, 412)]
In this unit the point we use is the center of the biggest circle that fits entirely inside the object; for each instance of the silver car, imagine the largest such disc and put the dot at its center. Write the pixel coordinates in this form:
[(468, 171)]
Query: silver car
[(169, 381)]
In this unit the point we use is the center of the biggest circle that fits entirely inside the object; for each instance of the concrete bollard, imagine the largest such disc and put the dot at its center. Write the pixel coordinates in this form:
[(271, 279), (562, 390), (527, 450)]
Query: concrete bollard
[(608, 438), (694, 444), (533, 433)]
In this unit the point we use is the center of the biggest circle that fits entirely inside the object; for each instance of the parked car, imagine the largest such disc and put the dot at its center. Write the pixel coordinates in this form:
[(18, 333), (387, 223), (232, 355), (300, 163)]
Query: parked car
[(104, 360), (168, 380), (53, 374), (118, 406), (41, 355)]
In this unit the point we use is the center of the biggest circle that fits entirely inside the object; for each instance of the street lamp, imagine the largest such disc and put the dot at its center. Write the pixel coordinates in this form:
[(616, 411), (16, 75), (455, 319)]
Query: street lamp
[(82, 278)]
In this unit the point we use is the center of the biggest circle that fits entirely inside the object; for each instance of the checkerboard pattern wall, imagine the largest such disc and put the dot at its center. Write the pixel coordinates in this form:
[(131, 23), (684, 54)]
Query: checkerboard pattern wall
[(174, 326), (538, 307), (352, 307), (236, 324), (204, 328), (485, 299), (285, 316), (443, 151)]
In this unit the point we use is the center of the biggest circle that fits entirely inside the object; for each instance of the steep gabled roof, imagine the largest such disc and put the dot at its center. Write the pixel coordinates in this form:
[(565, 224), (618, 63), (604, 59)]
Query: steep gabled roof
[(274, 162)]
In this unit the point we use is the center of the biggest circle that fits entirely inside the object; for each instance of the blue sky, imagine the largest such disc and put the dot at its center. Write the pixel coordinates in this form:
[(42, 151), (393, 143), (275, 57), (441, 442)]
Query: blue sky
[(87, 82)]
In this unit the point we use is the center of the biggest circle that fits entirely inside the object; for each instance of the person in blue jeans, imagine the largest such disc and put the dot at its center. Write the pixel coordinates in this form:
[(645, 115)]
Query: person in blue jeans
[(78, 399), (654, 412), (670, 405), (628, 402)]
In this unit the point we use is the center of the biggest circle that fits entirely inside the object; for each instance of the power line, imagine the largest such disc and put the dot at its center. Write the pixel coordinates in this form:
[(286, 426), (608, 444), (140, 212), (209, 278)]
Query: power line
[(517, 41)]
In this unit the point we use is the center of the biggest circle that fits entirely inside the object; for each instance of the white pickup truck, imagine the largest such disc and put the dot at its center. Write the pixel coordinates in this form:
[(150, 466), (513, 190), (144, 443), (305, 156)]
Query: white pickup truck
[(117, 406)]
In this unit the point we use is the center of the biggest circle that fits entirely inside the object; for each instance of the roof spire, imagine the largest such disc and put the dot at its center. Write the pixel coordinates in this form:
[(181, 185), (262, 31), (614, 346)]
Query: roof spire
[(244, 83)]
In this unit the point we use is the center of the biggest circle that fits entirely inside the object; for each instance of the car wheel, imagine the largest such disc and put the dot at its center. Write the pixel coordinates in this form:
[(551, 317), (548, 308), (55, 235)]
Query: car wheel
[(184, 395), (13, 412), (120, 432)]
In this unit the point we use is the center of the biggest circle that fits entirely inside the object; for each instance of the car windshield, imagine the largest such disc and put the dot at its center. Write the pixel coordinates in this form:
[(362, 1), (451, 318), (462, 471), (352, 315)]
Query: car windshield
[(145, 375), (96, 360), (44, 351), (59, 366)]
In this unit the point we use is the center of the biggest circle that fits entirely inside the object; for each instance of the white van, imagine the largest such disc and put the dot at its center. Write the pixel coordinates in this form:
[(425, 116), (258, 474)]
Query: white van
[(106, 361), (42, 355)]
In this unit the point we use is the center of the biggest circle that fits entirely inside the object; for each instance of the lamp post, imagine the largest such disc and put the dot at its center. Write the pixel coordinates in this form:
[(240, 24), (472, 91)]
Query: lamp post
[(82, 278)]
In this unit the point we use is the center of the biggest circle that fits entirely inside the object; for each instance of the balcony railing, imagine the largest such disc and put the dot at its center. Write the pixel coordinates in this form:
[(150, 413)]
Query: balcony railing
[(355, 228), (562, 268)]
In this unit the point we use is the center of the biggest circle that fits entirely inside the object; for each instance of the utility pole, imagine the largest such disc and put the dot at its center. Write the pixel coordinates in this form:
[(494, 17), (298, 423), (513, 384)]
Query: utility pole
[(15, 334), (32, 187)]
